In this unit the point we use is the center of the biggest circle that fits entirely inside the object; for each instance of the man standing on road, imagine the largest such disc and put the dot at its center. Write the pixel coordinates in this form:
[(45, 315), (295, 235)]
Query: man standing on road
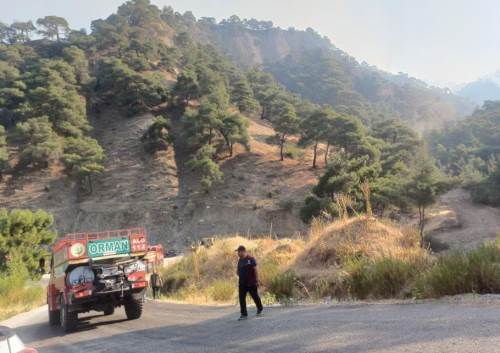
[(248, 282), (156, 284)]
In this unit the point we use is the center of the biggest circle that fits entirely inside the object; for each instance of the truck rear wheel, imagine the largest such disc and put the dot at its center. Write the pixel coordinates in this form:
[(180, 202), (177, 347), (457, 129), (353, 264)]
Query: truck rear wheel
[(133, 308), (54, 317), (68, 318)]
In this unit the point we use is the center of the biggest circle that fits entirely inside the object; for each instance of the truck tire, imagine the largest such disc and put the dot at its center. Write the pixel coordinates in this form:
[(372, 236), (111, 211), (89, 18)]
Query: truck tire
[(133, 308), (54, 317), (109, 310), (68, 318)]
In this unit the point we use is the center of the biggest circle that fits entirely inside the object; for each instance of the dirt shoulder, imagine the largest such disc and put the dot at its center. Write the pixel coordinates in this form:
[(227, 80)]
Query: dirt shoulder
[(461, 223)]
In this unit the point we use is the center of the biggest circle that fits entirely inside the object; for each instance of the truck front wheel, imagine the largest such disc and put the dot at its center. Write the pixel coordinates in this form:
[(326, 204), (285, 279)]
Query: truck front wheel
[(133, 308), (68, 318)]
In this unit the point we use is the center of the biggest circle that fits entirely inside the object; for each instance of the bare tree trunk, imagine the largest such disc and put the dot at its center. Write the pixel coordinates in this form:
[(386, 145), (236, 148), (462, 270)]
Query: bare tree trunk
[(282, 143), (421, 214), (315, 153), (326, 153), (91, 188)]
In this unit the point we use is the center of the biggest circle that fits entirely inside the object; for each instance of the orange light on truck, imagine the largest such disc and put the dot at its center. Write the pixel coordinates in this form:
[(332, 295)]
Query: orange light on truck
[(137, 276), (140, 284), (83, 293)]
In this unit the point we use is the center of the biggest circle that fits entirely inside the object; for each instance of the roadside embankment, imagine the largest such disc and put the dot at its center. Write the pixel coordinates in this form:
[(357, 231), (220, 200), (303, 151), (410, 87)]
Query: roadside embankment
[(354, 259)]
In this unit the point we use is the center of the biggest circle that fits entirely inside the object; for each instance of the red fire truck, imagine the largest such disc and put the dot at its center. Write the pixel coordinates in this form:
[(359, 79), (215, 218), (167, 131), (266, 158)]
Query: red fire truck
[(97, 271)]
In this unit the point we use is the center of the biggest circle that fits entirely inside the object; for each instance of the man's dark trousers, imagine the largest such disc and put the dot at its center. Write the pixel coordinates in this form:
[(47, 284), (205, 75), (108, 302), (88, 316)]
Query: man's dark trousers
[(156, 292), (243, 290)]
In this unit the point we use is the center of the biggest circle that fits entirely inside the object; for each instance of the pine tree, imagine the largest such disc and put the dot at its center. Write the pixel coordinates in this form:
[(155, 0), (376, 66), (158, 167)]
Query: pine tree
[(53, 27), (242, 95), (286, 123), (314, 130), (204, 164), (23, 30), (157, 137), (423, 189), (187, 87), (234, 130), (25, 235), (38, 141), (83, 158)]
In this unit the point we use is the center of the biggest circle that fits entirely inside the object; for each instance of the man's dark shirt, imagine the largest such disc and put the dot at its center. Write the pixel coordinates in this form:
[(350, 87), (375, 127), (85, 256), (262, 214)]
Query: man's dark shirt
[(247, 272), (155, 280)]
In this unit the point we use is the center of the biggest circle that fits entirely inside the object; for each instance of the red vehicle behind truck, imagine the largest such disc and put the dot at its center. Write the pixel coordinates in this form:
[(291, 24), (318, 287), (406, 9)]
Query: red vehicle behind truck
[(97, 271)]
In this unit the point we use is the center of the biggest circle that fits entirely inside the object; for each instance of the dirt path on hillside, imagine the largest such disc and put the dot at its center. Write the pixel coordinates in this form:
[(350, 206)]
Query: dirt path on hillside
[(462, 223)]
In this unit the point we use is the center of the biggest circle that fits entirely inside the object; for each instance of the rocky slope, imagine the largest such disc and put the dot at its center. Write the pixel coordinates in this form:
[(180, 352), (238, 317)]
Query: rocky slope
[(260, 194)]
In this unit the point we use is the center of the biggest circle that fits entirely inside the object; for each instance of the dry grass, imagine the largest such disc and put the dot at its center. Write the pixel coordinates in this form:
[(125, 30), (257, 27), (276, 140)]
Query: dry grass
[(361, 258), (358, 257), (208, 275), (336, 243), (16, 297)]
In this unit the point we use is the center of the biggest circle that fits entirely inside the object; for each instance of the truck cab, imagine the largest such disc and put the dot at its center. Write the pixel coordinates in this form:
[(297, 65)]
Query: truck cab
[(97, 271)]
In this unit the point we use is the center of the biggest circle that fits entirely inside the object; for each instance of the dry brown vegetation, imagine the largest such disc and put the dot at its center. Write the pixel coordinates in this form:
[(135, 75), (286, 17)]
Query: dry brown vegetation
[(208, 275), (17, 297), (335, 243), (354, 258)]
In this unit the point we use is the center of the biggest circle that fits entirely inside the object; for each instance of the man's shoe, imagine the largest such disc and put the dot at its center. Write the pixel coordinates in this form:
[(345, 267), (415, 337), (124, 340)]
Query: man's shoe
[(259, 313), (243, 317)]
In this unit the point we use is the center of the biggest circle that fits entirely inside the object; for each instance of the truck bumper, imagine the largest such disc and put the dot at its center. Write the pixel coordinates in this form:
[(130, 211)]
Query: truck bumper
[(100, 300)]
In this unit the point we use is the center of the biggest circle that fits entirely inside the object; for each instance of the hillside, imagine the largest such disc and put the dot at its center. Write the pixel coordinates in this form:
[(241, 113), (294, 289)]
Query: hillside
[(151, 191), (310, 65), (155, 119), (486, 88)]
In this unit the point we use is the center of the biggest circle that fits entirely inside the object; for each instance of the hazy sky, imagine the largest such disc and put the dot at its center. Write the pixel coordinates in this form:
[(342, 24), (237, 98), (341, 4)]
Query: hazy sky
[(441, 41)]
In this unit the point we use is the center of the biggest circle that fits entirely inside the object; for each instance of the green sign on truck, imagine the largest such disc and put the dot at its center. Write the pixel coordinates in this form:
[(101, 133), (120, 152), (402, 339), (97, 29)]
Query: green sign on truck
[(99, 248)]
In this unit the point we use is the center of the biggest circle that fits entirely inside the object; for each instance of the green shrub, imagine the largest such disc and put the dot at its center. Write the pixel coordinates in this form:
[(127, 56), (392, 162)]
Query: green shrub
[(458, 272), (283, 286), (174, 282), (268, 270), (177, 276), (314, 206), (286, 205), (293, 152), (435, 244), (333, 284), (487, 191), (222, 291), (16, 296), (447, 277), (382, 278), (157, 137), (268, 298), (484, 269)]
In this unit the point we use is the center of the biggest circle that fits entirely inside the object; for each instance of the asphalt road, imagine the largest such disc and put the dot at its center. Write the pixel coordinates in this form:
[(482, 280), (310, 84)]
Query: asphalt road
[(429, 327)]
